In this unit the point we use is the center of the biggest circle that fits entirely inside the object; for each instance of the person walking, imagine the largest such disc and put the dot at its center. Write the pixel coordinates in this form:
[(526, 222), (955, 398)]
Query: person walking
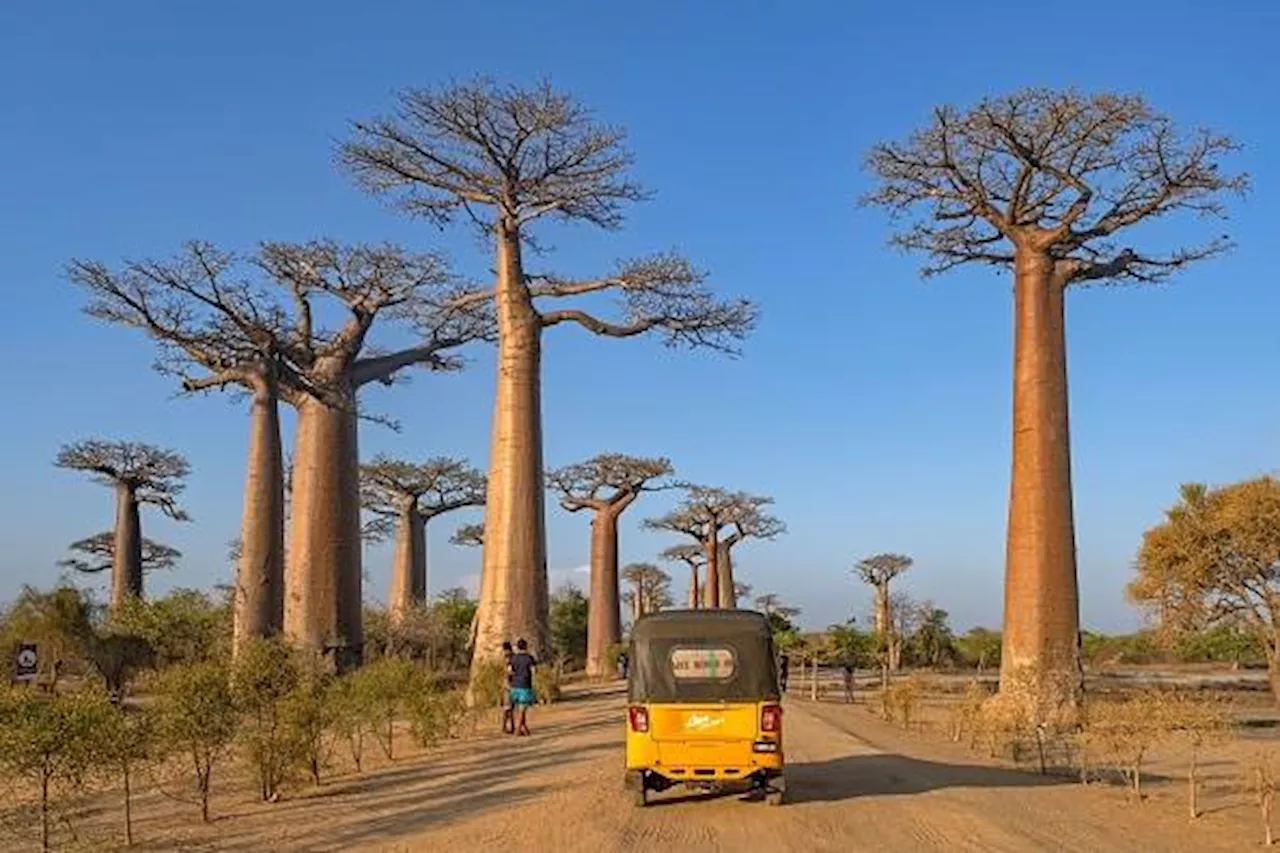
[(784, 665), (508, 712), (520, 670), (623, 663), (848, 683)]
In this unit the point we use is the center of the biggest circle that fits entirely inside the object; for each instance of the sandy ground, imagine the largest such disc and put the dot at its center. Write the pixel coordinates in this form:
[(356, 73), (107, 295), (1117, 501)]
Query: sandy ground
[(855, 783)]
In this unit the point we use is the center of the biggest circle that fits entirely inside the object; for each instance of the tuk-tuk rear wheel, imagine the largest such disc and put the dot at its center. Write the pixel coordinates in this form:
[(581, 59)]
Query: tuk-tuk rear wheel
[(775, 791)]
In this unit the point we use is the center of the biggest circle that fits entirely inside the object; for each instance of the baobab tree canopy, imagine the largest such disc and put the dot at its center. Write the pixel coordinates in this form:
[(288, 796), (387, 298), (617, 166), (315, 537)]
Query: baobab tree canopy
[(155, 475), (433, 487), (1058, 172), (96, 553)]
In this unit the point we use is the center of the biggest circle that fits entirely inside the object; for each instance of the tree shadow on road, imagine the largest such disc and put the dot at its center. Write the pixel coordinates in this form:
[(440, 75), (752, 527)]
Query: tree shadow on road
[(854, 776)]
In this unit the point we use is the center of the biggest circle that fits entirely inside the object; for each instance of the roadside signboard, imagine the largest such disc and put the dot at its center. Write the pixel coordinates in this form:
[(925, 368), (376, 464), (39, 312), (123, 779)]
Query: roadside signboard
[(24, 663)]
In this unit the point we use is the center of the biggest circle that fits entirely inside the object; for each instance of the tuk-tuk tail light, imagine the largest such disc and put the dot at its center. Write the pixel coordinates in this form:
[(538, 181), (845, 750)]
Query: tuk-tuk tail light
[(639, 718), (771, 718)]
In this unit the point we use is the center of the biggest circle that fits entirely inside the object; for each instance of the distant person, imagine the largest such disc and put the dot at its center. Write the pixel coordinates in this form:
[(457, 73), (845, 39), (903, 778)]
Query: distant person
[(784, 665), (520, 669), (848, 683), (508, 713), (623, 663)]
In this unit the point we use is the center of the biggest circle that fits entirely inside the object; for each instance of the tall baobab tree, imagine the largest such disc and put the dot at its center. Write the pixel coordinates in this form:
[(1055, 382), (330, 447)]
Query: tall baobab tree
[(234, 323), (217, 333), (878, 572), (650, 588), (695, 557), (749, 522), (606, 485), (139, 474), (506, 158), (96, 554), (1046, 183), (403, 497), (704, 515)]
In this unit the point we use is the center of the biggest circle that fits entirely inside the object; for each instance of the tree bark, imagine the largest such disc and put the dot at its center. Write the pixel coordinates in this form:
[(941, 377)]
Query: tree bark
[(711, 585), (323, 572), (126, 558), (694, 599), (513, 585), (259, 601), (604, 619), (1041, 614), (728, 593), (408, 587), (882, 610)]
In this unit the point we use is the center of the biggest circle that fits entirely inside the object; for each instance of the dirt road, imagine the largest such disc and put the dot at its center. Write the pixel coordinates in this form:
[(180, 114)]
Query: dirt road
[(561, 790)]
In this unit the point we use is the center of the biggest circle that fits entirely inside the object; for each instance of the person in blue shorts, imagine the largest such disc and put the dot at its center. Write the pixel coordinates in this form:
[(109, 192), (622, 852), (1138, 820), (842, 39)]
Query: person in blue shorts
[(520, 669)]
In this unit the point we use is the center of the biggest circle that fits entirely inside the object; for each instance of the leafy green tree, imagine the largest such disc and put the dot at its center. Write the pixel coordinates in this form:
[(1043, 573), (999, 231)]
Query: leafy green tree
[(569, 626), (851, 645), (980, 647), (197, 718), (50, 742), (933, 641), (59, 622), (384, 688), (310, 715), (185, 626), (263, 678), (456, 610), (351, 713), (123, 743)]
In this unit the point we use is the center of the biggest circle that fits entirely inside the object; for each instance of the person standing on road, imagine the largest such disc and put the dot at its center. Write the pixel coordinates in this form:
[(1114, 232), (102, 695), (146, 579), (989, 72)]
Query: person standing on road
[(520, 669), (508, 713), (848, 683), (784, 663), (623, 663)]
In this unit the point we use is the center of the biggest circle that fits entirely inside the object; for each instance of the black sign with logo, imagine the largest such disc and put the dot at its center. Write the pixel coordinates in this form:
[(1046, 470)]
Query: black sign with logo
[(24, 663)]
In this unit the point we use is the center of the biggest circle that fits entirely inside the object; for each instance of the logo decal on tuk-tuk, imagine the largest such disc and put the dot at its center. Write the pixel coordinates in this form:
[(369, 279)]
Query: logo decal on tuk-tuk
[(716, 664), (702, 722)]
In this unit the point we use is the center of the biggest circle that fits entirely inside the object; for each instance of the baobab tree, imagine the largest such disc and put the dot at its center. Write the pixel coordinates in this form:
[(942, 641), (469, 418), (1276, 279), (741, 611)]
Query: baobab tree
[(217, 333), (506, 158), (878, 572), (650, 588), (695, 557), (704, 515), (208, 306), (403, 497), (606, 485), (139, 474), (749, 522), (1047, 183), (96, 554)]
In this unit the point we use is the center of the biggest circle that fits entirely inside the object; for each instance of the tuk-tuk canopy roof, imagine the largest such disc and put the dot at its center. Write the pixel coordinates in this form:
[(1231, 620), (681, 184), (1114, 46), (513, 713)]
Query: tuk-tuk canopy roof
[(702, 655)]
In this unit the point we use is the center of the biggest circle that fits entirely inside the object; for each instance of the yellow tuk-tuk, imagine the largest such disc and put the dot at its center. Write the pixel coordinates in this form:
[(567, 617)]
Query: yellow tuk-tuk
[(704, 709)]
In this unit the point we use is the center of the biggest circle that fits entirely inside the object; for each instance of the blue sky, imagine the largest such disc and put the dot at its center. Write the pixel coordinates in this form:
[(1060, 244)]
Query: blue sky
[(873, 406)]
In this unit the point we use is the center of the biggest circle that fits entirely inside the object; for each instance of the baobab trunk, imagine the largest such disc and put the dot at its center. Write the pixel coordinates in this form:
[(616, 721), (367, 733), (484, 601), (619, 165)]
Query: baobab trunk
[(882, 610), (1041, 610), (259, 601), (711, 584), (408, 586), (728, 593), (323, 577), (513, 582), (126, 557), (694, 602), (604, 620)]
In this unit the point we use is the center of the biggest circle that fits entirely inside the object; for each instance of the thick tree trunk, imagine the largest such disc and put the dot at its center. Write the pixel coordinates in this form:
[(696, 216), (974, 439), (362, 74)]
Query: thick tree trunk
[(323, 572), (728, 592), (694, 599), (408, 586), (882, 610), (126, 557), (604, 619), (1041, 610), (711, 584), (513, 584), (259, 601)]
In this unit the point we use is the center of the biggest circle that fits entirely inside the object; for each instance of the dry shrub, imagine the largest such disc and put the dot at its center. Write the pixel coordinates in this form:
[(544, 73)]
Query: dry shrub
[(1199, 722), (1263, 777), (901, 700), (1123, 732), (1004, 724), (963, 719)]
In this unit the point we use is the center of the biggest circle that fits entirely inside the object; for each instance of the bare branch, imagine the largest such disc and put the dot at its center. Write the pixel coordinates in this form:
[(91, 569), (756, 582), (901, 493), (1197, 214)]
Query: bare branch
[(610, 481), (389, 487), (97, 551), (152, 473), (707, 511), (1057, 172)]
